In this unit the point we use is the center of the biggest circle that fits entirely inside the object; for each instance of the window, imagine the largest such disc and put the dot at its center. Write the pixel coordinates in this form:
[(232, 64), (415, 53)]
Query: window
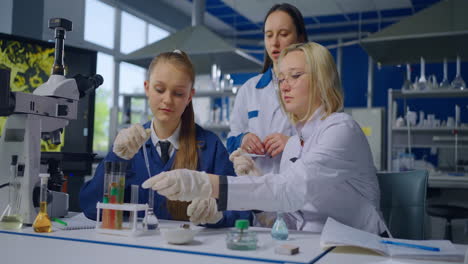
[(156, 33), (99, 23), (132, 78), (105, 67), (133, 33)]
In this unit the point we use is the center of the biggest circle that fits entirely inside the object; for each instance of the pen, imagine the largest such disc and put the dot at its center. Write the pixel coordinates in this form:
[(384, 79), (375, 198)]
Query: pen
[(256, 155), (59, 221), (410, 245)]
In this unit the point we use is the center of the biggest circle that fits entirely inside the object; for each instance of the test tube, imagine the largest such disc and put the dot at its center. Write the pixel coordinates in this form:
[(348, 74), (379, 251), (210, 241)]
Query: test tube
[(106, 223), (134, 198), (117, 191)]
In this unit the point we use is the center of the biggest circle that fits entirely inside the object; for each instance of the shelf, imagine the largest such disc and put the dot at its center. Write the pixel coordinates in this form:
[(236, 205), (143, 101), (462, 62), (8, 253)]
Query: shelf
[(199, 93), (433, 145), (436, 93), (429, 130), (210, 93), (138, 96), (216, 127)]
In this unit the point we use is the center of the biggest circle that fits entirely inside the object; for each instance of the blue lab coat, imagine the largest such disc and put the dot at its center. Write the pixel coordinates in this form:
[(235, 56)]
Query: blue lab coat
[(213, 158)]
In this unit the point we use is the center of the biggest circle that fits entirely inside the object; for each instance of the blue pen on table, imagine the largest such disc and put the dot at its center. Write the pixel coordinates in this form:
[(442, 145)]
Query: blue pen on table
[(410, 245)]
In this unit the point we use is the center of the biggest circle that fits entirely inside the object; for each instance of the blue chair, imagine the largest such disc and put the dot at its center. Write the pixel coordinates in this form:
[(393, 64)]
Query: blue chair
[(403, 202)]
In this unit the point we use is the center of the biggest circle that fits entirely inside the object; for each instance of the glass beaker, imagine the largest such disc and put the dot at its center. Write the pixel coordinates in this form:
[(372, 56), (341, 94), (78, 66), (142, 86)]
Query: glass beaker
[(11, 216)]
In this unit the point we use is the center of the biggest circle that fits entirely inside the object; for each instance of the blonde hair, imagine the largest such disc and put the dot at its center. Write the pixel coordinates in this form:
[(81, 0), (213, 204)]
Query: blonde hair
[(323, 78), (187, 155)]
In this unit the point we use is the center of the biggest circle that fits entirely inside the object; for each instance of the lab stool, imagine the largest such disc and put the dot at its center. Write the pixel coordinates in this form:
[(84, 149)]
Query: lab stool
[(448, 212)]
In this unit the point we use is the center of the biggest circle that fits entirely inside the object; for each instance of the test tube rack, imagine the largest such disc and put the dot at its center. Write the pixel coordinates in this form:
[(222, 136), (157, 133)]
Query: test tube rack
[(130, 228)]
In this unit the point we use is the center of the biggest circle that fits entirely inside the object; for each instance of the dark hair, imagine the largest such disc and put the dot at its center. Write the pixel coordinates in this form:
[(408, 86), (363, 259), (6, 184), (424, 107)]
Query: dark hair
[(298, 21)]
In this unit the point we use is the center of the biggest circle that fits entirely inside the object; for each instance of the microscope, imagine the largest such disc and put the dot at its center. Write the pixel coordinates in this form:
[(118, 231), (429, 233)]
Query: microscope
[(40, 115)]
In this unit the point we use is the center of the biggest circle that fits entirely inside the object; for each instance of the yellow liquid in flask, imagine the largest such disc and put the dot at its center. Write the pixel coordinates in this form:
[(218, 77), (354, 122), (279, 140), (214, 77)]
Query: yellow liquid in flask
[(42, 224)]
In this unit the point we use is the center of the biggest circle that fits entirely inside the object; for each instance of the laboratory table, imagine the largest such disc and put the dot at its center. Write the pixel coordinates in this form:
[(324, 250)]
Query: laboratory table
[(88, 246)]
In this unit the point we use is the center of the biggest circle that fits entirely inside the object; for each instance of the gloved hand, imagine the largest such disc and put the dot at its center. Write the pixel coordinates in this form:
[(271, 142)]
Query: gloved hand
[(244, 164), (129, 141), (204, 211), (181, 184)]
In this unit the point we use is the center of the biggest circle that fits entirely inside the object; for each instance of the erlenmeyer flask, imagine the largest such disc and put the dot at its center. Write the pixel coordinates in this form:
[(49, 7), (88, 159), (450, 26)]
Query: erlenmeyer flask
[(458, 82), (422, 82), (11, 217), (279, 231), (407, 85), (445, 84)]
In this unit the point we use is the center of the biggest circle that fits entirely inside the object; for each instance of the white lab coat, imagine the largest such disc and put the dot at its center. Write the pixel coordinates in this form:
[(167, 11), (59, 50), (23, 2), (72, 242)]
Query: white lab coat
[(257, 110), (331, 175)]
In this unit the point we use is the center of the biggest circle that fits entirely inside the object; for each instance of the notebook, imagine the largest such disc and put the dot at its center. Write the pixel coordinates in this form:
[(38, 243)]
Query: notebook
[(78, 221), (337, 234)]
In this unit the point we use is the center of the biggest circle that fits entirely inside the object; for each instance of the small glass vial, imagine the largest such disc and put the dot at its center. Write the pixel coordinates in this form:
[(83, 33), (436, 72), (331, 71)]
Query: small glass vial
[(42, 223), (241, 238), (279, 231)]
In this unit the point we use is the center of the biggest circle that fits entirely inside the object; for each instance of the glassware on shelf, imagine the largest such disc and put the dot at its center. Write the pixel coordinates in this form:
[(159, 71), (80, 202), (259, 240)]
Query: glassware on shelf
[(226, 83), (433, 84), (445, 84), (423, 84), (415, 83), (407, 85), (215, 77), (458, 82)]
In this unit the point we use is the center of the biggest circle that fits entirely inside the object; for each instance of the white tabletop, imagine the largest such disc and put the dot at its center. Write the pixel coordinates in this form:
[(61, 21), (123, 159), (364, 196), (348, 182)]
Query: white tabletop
[(209, 246)]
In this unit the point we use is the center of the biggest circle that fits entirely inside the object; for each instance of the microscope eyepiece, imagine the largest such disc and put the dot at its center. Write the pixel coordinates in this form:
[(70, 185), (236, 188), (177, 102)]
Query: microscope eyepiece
[(85, 83)]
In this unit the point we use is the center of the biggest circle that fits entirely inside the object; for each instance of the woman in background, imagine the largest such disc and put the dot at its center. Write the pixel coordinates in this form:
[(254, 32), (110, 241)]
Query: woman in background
[(257, 124), (172, 141)]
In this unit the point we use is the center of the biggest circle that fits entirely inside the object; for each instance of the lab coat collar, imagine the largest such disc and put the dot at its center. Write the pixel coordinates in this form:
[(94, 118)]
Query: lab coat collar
[(265, 79), (173, 139), (304, 130)]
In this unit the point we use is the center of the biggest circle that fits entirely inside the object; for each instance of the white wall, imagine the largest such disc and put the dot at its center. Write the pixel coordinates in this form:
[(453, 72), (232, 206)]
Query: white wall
[(6, 16)]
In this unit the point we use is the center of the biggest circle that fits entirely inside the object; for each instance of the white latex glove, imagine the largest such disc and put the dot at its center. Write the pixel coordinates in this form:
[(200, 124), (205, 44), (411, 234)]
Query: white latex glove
[(244, 164), (204, 211), (237, 153), (181, 184), (129, 141)]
